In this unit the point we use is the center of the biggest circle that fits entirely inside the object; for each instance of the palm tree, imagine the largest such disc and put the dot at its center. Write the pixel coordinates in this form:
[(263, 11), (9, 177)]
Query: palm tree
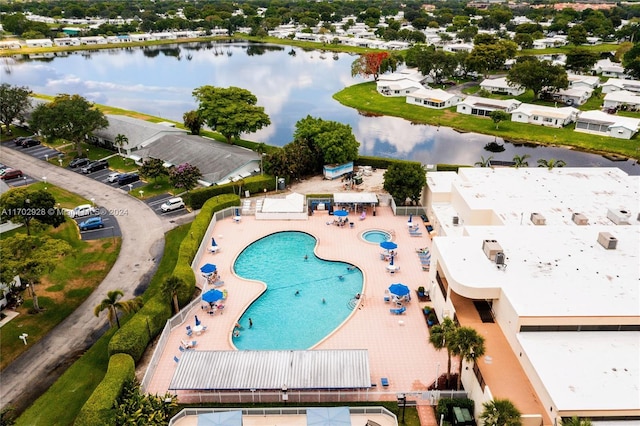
[(501, 412), (469, 345), (120, 141), (551, 163), (576, 421), (521, 161), (170, 288), (442, 335), (484, 162), (113, 305)]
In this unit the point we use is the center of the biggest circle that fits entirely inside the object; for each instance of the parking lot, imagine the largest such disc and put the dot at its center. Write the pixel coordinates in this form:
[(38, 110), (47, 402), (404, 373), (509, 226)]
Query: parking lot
[(45, 154), (110, 227)]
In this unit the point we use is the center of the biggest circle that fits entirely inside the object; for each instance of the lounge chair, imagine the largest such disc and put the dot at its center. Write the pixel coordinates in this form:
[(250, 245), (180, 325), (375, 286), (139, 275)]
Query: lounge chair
[(398, 311), (176, 359), (415, 234), (193, 343), (189, 330), (363, 216), (384, 381), (181, 348)]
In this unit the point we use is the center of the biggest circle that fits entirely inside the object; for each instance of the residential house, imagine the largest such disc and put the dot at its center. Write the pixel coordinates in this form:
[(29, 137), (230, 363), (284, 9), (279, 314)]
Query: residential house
[(622, 99), (39, 42), (606, 68), (475, 105), (400, 83), (501, 86), (140, 37), (586, 81), (10, 44), (138, 133), (572, 95), (601, 123), (66, 41), (125, 38), (549, 42), (458, 47), (218, 162), (617, 84), (433, 98), (543, 115), (91, 40)]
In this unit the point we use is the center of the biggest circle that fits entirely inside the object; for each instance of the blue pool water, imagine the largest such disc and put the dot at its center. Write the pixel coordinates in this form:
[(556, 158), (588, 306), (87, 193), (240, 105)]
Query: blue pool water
[(376, 236), (281, 318)]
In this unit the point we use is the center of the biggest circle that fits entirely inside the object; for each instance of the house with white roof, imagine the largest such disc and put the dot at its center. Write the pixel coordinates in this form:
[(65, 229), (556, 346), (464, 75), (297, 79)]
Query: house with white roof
[(400, 83), (39, 42), (501, 86), (549, 42), (616, 84), (10, 44), (601, 123), (543, 115), (607, 68), (458, 47), (544, 265), (572, 95), (140, 37), (66, 41), (586, 81), (93, 40), (433, 98), (474, 105), (622, 99)]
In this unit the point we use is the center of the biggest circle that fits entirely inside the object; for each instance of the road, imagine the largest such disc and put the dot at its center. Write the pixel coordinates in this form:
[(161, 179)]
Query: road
[(142, 246)]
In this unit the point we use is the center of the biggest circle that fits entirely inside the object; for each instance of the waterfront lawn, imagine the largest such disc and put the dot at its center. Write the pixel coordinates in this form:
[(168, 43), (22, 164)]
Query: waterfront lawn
[(367, 100)]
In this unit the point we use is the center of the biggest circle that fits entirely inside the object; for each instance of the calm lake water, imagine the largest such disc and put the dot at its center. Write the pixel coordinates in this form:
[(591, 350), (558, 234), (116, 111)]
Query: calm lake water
[(290, 83)]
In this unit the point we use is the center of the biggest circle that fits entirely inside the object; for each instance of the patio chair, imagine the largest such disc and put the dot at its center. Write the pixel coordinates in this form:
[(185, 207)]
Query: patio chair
[(384, 381), (193, 343), (181, 348), (176, 359), (398, 311), (189, 332)]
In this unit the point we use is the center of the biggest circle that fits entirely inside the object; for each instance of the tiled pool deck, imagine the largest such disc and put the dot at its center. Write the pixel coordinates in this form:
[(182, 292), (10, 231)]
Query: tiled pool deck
[(398, 344)]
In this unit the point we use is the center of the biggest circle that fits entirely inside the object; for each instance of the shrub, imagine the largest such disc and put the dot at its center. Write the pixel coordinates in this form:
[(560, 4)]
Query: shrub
[(98, 410), (254, 184)]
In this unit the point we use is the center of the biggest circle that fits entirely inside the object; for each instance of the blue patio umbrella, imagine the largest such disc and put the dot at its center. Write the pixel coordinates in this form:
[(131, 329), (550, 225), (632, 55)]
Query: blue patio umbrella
[(341, 213), (410, 218), (391, 261), (399, 290), (208, 268), (197, 320), (388, 245), (212, 295), (213, 242), (237, 212)]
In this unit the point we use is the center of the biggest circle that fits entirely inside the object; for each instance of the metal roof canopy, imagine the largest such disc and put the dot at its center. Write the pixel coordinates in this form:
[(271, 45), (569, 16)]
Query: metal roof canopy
[(355, 197), (272, 370)]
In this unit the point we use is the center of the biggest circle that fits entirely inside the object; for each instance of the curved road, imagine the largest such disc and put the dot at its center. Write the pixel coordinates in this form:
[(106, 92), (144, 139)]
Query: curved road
[(142, 245)]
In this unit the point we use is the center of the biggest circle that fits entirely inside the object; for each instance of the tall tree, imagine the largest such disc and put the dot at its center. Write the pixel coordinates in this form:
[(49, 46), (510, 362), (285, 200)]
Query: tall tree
[(469, 345), (368, 64), (30, 257), (120, 141), (631, 61), (113, 304), (581, 59), (442, 337), (153, 168), (577, 35), (14, 101), (405, 181), (170, 288), (334, 142), (184, 176), (537, 75), (230, 111), (499, 115), (25, 204), (69, 117), (193, 121), (501, 412)]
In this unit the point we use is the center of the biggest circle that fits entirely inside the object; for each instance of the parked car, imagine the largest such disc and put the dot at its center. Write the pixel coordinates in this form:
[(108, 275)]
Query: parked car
[(29, 142), (79, 162), (128, 178), (172, 204), (8, 174), (113, 177), (18, 141), (91, 223), (95, 166), (83, 210)]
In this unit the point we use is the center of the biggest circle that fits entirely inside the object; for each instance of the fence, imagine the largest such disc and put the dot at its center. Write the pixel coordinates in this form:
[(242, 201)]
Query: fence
[(405, 210)]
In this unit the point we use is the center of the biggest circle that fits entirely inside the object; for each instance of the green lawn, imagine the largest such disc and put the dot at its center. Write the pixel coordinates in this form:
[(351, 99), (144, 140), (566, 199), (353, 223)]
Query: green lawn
[(365, 98), (76, 385)]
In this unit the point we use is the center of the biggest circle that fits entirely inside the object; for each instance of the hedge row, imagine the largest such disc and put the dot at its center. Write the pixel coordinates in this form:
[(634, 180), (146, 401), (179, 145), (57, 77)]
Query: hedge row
[(254, 184), (98, 410), (129, 343)]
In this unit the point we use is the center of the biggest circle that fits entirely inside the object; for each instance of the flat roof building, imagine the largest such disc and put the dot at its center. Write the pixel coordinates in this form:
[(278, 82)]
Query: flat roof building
[(554, 255)]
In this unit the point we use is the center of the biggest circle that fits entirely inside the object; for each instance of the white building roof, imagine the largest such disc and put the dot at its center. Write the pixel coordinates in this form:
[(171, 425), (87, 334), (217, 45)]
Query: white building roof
[(611, 360), (623, 96), (490, 103), (435, 95), (613, 120), (500, 83), (545, 111), (412, 74)]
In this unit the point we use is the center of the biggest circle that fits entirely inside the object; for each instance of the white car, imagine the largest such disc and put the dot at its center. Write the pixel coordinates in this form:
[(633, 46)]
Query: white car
[(83, 210), (172, 204), (113, 177)]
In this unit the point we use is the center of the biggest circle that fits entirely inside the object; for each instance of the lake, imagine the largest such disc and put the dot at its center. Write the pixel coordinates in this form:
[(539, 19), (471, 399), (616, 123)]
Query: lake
[(289, 82)]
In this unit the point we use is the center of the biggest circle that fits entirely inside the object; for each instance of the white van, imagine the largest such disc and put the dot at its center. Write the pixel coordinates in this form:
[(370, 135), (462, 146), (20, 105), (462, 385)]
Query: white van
[(83, 210)]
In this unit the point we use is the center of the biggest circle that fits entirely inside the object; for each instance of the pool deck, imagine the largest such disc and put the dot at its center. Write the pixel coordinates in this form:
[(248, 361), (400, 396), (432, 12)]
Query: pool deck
[(398, 344)]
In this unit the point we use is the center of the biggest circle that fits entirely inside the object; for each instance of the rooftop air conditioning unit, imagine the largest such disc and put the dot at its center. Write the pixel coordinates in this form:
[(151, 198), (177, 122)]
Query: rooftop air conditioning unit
[(579, 219), (607, 240), (491, 248), (500, 258), (456, 221), (619, 217), (538, 219)]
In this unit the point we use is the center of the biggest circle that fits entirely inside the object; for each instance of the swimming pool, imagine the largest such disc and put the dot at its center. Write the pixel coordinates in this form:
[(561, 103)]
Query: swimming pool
[(376, 236), (306, 298)]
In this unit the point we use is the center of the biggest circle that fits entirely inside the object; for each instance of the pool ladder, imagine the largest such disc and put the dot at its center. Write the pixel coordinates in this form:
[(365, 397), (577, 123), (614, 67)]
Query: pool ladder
[(352, 303)]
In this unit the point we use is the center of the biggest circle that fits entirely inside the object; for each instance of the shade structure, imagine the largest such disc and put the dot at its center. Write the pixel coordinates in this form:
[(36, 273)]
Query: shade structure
[(208, 268), (388, 245), (197, 320), (399, 290), (212, 295), (341, 213), (224, 418), (329, 416)]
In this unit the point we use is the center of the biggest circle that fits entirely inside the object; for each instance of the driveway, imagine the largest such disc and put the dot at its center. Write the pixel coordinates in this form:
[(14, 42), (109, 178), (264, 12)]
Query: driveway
[(142, 245)]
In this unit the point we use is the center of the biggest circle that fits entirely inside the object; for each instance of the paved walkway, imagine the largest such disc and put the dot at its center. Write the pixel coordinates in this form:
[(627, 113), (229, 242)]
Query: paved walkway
[(142, 245)]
